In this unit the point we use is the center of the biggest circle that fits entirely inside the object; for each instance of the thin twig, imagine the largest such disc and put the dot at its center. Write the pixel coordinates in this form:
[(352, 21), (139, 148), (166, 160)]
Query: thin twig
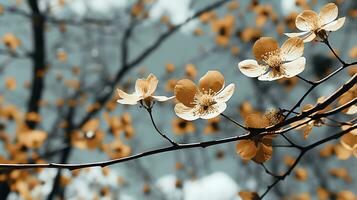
[(302, 153), (317, 83), (333, 51), (304, 79), (268, 171), (320, 106), (290, 141), (158, 130), (235, 122)]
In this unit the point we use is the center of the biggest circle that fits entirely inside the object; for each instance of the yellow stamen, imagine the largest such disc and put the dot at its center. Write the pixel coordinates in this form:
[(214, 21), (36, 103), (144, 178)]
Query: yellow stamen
[(274, 61), (205, 101)]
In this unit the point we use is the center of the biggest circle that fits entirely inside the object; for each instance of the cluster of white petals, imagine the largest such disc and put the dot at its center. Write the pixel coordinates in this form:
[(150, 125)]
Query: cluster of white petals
[(316, 25), (206, 101), (144, 90), (274, 62)]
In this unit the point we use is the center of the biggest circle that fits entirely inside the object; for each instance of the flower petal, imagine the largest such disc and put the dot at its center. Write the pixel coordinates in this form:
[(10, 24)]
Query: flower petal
[(263, 46), (295, 67), (341, 152), (216, 109), (129, 99), (186, 113), (268, 140), (264, 153), (185, 91), (162, 98), (255, 120), (349, 141), (152, 84), (141, 87), (126, 102), (247, 149), (247, 195), (308, 130), (335, 25), (146, 87), (309, 37), (296, 34), (270, 76), (307, 20), (292, 49), (328, 13), (212, 80), (225, 94), (251, 68)]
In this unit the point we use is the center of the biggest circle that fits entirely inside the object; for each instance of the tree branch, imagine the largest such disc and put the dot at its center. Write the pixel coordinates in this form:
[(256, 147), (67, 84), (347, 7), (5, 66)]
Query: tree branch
[(39, 56), (314, 84), (302, 153), (133, 157)]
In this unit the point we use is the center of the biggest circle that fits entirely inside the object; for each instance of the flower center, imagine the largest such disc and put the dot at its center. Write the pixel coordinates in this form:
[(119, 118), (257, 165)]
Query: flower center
[(321, 33), (205, 101), (273, 60)]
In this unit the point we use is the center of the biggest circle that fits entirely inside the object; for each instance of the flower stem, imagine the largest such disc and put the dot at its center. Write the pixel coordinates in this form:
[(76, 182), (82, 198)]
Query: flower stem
[(333, 51), (157, 129)]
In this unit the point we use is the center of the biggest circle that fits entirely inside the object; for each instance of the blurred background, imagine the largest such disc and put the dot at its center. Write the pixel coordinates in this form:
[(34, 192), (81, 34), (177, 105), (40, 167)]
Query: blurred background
[(61, 61)]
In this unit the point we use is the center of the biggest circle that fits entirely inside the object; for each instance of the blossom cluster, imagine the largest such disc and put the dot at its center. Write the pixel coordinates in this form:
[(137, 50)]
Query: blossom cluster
[(208, 98)]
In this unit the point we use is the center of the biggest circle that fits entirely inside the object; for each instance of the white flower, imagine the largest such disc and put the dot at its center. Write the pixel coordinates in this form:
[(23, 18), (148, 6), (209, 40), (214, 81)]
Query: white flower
[(313, 24), (206, 101), (144, 90), (273, 62)]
